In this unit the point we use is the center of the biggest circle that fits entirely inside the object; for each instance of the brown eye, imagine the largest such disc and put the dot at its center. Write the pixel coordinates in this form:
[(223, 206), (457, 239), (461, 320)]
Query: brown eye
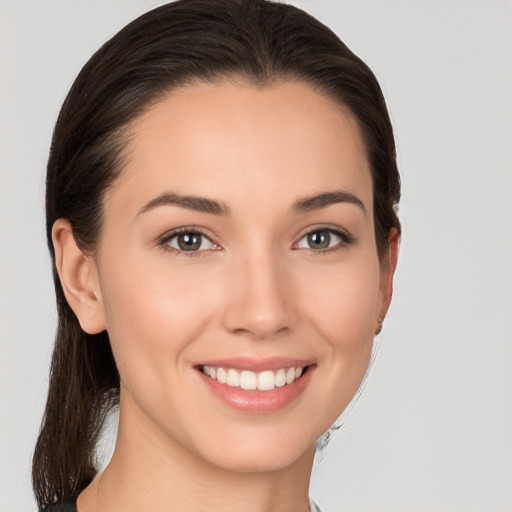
[(190, 241), (321, 239)]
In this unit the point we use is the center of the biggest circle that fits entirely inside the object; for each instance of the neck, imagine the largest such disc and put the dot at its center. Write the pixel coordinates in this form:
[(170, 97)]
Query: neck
[(151, 472)]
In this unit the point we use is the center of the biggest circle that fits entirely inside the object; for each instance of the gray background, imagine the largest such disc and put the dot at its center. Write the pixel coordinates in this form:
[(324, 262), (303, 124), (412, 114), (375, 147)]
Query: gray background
[(433, 430)]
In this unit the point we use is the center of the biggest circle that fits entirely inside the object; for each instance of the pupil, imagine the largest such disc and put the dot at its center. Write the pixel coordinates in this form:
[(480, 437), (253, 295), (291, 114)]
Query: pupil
[(319, 239), (189, 242)]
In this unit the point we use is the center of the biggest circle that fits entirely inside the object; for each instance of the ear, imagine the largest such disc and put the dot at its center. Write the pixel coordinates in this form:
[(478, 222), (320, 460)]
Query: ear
[(79, 278), (387, 271)]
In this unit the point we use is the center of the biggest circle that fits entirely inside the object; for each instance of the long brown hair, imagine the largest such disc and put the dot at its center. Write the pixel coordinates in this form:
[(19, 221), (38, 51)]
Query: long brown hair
[(178, 43)]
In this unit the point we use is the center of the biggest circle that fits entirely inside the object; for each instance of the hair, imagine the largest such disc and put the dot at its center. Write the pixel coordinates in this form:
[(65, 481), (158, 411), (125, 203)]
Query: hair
[(179, 43)]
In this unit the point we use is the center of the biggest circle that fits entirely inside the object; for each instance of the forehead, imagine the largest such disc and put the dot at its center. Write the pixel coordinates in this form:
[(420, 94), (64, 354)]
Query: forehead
[(230, 139)]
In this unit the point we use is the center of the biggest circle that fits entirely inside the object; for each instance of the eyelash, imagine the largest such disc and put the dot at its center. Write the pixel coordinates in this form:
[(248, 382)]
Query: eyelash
[(346, 239), (163, 241)]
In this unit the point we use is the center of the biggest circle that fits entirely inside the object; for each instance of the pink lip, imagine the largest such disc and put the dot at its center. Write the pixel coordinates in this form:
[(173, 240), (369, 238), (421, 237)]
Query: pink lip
[(257, 364), (254, 401)]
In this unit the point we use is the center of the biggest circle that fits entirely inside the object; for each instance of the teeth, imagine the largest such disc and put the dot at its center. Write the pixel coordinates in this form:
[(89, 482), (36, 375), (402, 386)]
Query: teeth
[(266, 381), (262, 381), (248, 380), (222, 376), (280, 378), (233, 379)]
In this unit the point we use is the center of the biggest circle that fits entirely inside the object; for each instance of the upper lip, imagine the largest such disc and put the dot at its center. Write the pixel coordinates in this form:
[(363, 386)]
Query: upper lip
[(257, 364)]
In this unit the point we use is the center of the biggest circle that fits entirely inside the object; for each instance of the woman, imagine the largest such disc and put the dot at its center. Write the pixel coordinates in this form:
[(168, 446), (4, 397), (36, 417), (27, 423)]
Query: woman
[(221, 196)]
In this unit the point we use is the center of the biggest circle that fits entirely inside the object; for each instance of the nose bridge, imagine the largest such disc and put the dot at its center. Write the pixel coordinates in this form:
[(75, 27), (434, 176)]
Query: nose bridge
[(261, 300)]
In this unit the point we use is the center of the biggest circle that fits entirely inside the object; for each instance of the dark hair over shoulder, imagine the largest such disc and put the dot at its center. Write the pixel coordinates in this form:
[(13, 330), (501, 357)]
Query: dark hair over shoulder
[(175, 44)]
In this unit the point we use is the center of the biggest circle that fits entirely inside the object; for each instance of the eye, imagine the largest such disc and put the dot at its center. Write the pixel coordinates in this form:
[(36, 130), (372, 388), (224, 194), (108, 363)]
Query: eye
[(189, 241), (321, 239)]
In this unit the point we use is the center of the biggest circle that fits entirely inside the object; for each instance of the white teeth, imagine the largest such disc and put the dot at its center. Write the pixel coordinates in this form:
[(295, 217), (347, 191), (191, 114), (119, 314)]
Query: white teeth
[(262, 381), (222, 376), (248, 380), (266, 381), (233, 379), (280, 378)]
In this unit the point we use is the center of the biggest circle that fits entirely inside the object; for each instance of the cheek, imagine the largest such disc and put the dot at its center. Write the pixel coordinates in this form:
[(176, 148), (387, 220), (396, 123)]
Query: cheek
[(341, 308), (153, 312), (343, 302)]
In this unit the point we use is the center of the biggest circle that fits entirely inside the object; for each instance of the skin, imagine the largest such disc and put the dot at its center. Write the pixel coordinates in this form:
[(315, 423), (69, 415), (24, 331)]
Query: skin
[(255, 289)]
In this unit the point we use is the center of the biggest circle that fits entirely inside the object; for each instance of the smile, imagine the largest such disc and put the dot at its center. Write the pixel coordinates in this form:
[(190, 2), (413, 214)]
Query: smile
[(249, 380), (257, 386)]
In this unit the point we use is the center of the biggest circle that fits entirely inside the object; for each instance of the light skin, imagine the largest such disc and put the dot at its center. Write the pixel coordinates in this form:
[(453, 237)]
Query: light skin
[(280, 162)]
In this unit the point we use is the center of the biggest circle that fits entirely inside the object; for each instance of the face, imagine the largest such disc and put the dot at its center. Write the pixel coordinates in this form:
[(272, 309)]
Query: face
[(238, 273)]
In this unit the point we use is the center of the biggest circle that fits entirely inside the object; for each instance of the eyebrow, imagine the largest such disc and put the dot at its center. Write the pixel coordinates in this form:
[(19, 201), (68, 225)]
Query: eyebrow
[(213, 207), (326, 199), (199, 204)]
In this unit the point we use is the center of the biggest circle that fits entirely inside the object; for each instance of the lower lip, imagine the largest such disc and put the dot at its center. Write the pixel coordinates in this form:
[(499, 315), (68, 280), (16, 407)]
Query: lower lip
[(254, 401)]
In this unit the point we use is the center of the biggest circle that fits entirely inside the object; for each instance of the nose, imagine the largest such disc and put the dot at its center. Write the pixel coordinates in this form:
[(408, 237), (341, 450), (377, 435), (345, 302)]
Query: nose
[(260, 299)]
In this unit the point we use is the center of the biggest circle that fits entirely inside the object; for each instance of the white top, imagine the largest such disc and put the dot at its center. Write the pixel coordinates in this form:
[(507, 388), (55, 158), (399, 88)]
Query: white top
[(313, 507)]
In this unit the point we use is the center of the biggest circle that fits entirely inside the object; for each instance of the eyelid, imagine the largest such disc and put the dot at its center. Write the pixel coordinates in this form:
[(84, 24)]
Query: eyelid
[(345, 235), (163, 240)]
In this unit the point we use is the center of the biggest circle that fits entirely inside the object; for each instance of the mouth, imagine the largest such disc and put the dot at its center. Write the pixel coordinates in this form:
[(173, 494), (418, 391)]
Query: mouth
[(267, 387), (266, 380)]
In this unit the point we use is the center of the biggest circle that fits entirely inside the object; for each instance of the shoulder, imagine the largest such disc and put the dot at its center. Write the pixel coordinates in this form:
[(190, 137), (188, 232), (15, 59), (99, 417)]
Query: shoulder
[(70, 507), (60, 507)]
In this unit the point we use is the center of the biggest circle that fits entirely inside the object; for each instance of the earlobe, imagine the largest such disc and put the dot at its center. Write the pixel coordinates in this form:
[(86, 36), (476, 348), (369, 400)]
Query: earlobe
[(79, 278), (388, 267)]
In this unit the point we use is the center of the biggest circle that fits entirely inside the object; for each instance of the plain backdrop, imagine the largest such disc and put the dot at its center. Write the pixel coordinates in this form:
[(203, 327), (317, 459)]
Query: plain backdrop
[(433, 429)]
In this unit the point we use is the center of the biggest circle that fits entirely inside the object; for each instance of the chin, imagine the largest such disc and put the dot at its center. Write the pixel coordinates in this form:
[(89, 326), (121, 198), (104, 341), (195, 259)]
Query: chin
[(259, 451)]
